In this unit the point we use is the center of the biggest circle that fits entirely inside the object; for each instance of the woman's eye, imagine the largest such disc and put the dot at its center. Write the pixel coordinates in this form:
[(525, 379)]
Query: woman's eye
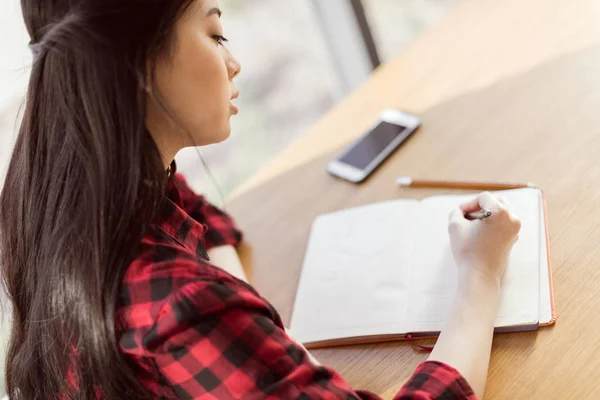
[(220, 39)]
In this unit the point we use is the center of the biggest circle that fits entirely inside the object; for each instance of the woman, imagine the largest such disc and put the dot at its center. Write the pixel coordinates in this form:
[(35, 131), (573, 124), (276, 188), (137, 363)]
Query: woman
[(118, 273)]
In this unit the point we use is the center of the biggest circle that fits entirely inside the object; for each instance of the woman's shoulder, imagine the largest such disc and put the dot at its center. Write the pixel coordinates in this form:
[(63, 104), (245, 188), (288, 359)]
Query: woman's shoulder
[(162, 267), (160, 253)]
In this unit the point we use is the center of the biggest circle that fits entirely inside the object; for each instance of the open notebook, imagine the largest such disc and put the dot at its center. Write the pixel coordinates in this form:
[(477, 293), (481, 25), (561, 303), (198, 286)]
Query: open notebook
[(383, 271)]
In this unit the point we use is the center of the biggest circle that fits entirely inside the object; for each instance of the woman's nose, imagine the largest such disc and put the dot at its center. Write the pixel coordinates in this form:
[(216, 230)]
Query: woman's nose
[(234, 67)]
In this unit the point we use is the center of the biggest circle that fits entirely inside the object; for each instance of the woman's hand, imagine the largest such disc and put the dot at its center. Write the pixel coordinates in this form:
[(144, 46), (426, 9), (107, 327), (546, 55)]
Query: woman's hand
[(481, 250), (483, 246)]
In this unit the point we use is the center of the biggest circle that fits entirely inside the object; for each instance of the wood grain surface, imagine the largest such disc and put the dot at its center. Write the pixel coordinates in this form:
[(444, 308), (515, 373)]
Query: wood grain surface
[(507, 91)]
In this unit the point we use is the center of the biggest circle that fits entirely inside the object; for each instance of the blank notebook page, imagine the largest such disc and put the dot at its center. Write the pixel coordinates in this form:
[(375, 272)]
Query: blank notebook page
[(387, 269), (356, 271)]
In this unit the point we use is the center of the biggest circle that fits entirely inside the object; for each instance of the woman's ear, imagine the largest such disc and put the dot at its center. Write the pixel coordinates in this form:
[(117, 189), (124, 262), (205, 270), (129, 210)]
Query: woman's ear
[(145, 82)]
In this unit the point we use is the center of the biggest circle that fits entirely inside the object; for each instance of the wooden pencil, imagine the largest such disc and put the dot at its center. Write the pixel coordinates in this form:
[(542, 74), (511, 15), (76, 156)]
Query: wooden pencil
[(422, 183)]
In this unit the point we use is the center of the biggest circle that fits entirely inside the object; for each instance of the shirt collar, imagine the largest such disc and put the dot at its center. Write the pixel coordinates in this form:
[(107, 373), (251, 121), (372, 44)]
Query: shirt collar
[(179, 225)]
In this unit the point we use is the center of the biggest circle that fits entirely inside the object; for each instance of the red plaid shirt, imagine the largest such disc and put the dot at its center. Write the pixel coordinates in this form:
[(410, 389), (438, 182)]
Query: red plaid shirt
[(193, 331)]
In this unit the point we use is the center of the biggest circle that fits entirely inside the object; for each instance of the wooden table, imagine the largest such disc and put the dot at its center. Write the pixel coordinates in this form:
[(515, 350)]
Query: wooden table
[(507, 90)]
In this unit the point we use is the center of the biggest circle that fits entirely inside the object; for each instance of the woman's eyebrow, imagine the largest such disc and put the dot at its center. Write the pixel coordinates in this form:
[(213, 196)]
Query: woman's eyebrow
[(214, 11)]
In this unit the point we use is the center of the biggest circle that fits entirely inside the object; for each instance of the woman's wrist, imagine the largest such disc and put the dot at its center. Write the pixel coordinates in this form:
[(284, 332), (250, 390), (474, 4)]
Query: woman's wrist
[(477, 281)]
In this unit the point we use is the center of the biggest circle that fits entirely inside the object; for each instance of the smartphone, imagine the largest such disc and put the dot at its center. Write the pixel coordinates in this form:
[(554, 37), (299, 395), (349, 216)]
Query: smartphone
[(391, 130)]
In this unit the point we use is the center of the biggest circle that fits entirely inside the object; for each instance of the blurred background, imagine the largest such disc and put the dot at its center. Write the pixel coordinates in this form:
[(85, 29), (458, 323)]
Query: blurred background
[(299, 58)]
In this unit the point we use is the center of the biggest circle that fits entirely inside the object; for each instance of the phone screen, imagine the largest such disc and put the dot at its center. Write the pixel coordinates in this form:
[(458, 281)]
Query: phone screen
[(372, 144)]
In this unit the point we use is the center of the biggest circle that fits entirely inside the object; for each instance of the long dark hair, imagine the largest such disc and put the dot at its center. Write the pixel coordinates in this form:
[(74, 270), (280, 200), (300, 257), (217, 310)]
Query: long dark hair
[(84, 180)]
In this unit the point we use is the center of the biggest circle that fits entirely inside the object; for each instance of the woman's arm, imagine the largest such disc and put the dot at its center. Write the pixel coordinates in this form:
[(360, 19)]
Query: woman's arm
[(466, 340), (219, 339), (226, 258), (481, 250)]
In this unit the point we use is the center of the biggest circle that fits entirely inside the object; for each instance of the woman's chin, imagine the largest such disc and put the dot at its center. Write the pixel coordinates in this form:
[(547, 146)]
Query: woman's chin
[(222, 136)]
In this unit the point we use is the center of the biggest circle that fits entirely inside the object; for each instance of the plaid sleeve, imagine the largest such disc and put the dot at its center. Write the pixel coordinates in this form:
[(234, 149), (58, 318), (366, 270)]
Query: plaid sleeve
[(217, 341), (435, 380), (222, 230)]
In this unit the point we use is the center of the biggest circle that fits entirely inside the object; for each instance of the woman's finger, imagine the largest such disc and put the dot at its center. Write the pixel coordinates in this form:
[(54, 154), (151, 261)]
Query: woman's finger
[(504, 202), (457, 216), (489, 202), (471, 206)]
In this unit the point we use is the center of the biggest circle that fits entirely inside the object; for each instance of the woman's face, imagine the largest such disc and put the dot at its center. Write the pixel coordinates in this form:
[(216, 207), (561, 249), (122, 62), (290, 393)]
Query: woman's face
[(195, 81)]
